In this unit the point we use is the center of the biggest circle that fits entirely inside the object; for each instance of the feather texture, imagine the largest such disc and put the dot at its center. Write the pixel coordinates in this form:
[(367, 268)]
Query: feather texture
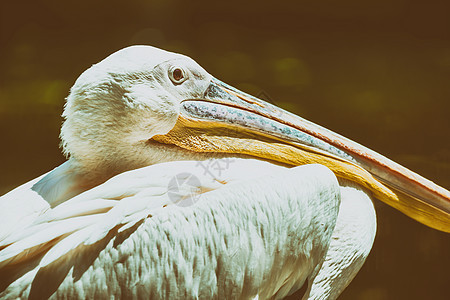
[(146, 245)]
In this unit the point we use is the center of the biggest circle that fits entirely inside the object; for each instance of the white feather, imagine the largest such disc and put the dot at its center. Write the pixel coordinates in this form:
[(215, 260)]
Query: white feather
[(219, 247)]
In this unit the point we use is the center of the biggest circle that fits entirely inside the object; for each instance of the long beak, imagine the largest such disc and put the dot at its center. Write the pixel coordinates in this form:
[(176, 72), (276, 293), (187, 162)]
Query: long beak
[(229, 121)]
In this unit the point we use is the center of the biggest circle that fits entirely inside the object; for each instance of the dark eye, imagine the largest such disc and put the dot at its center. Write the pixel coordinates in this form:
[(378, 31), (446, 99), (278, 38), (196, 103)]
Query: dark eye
[(177, 75)]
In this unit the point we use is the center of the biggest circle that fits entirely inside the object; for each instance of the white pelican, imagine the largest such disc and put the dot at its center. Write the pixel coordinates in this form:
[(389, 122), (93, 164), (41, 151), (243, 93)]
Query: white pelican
[(258, 228)]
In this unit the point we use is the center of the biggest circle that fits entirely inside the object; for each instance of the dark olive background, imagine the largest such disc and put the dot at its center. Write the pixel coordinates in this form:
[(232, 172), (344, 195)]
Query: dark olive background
[(375, 71)]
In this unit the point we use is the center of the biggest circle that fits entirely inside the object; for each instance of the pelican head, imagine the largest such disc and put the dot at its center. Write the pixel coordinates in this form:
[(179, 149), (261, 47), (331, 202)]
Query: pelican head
[(143, 105), (116, 106)]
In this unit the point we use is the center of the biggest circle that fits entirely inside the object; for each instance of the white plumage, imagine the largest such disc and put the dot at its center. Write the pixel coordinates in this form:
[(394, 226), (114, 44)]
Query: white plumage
[(254, 233)]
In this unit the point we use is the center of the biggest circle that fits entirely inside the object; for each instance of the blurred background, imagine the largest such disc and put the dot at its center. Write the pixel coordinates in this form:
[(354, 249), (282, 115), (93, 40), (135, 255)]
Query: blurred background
[(375, 71)]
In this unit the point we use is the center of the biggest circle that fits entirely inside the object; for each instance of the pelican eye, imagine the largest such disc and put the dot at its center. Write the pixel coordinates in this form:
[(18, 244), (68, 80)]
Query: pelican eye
[(177, 75)]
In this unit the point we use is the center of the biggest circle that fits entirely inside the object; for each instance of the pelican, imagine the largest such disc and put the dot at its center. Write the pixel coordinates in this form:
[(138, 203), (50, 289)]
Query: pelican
[(178, 185)]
